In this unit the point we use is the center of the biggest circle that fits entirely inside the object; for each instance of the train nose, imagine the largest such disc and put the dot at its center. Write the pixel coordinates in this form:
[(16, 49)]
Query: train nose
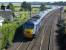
[(28, 33)]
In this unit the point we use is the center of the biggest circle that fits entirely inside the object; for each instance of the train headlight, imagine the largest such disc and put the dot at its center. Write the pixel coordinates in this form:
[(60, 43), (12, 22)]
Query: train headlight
[(28, 33)]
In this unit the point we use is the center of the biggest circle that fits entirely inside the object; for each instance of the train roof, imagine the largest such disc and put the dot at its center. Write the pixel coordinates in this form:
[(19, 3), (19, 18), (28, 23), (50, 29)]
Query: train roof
[(36, 18)]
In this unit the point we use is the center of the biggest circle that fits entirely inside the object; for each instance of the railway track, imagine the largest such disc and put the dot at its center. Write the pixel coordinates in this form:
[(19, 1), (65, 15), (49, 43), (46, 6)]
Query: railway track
[(41, 42), (50, 46), (35, 44), (53, 39), (47, 33), (47, 44)]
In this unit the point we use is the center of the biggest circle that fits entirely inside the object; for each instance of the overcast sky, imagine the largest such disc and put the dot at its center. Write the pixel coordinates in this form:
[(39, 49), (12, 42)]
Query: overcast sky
[(31, 0)]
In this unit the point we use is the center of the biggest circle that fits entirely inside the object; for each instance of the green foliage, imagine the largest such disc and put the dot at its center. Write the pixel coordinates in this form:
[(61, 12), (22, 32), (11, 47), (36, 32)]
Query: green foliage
[(12, 28), (29, 6), (35, 10), (2, 7), (10, 6), (26, 6), (64, 8), (4, 37), (8, 31)]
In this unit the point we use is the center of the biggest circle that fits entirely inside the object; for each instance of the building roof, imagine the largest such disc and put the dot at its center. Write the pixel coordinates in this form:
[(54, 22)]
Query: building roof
[(7, 10)]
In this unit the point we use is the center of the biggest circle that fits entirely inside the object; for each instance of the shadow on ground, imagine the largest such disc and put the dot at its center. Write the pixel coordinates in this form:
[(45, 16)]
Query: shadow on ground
[(61, 38)]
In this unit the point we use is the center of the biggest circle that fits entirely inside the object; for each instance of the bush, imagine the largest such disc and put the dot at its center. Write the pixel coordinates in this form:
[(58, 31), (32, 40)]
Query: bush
[(8, 31), (9, 28), (64, 10)]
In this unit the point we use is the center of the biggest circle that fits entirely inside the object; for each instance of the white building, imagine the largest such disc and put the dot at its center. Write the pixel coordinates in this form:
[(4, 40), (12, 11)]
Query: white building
[(7, 14), (1, 21)]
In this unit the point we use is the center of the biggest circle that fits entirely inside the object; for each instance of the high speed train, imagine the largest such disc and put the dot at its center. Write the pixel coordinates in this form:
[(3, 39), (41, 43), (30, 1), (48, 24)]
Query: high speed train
[(34, 23)]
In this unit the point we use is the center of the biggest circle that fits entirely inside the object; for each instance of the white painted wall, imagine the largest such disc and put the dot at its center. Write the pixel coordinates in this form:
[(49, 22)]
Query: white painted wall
[(1, 21)]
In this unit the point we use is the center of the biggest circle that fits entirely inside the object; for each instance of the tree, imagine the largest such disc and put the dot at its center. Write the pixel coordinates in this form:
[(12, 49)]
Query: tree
[(24, 5), (2, 7), (42, 7), (29, 7), (10, 6)]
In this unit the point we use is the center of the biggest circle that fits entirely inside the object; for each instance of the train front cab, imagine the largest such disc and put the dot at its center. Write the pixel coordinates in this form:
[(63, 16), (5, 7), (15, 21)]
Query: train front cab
[(28, 30)]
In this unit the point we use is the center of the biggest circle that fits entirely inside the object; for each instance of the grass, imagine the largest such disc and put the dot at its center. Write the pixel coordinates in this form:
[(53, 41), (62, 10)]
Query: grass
[(0, 43), (23, 16), (64, 14), (17, 8), (35, 10), (65, 8)]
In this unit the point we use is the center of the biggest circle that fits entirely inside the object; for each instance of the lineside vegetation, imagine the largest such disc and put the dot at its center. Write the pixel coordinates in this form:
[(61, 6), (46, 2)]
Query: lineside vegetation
[(7, 31)]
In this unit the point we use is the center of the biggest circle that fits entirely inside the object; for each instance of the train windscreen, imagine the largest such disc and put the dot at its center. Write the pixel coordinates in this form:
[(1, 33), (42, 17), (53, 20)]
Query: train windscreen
[(35, 18), (29, 25)]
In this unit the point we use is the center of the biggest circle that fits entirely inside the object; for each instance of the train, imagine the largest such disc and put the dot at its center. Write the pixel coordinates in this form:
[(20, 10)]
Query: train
[(35, 23)]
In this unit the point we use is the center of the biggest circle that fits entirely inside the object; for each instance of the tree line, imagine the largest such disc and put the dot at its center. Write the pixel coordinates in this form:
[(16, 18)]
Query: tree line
[(24, 6)]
